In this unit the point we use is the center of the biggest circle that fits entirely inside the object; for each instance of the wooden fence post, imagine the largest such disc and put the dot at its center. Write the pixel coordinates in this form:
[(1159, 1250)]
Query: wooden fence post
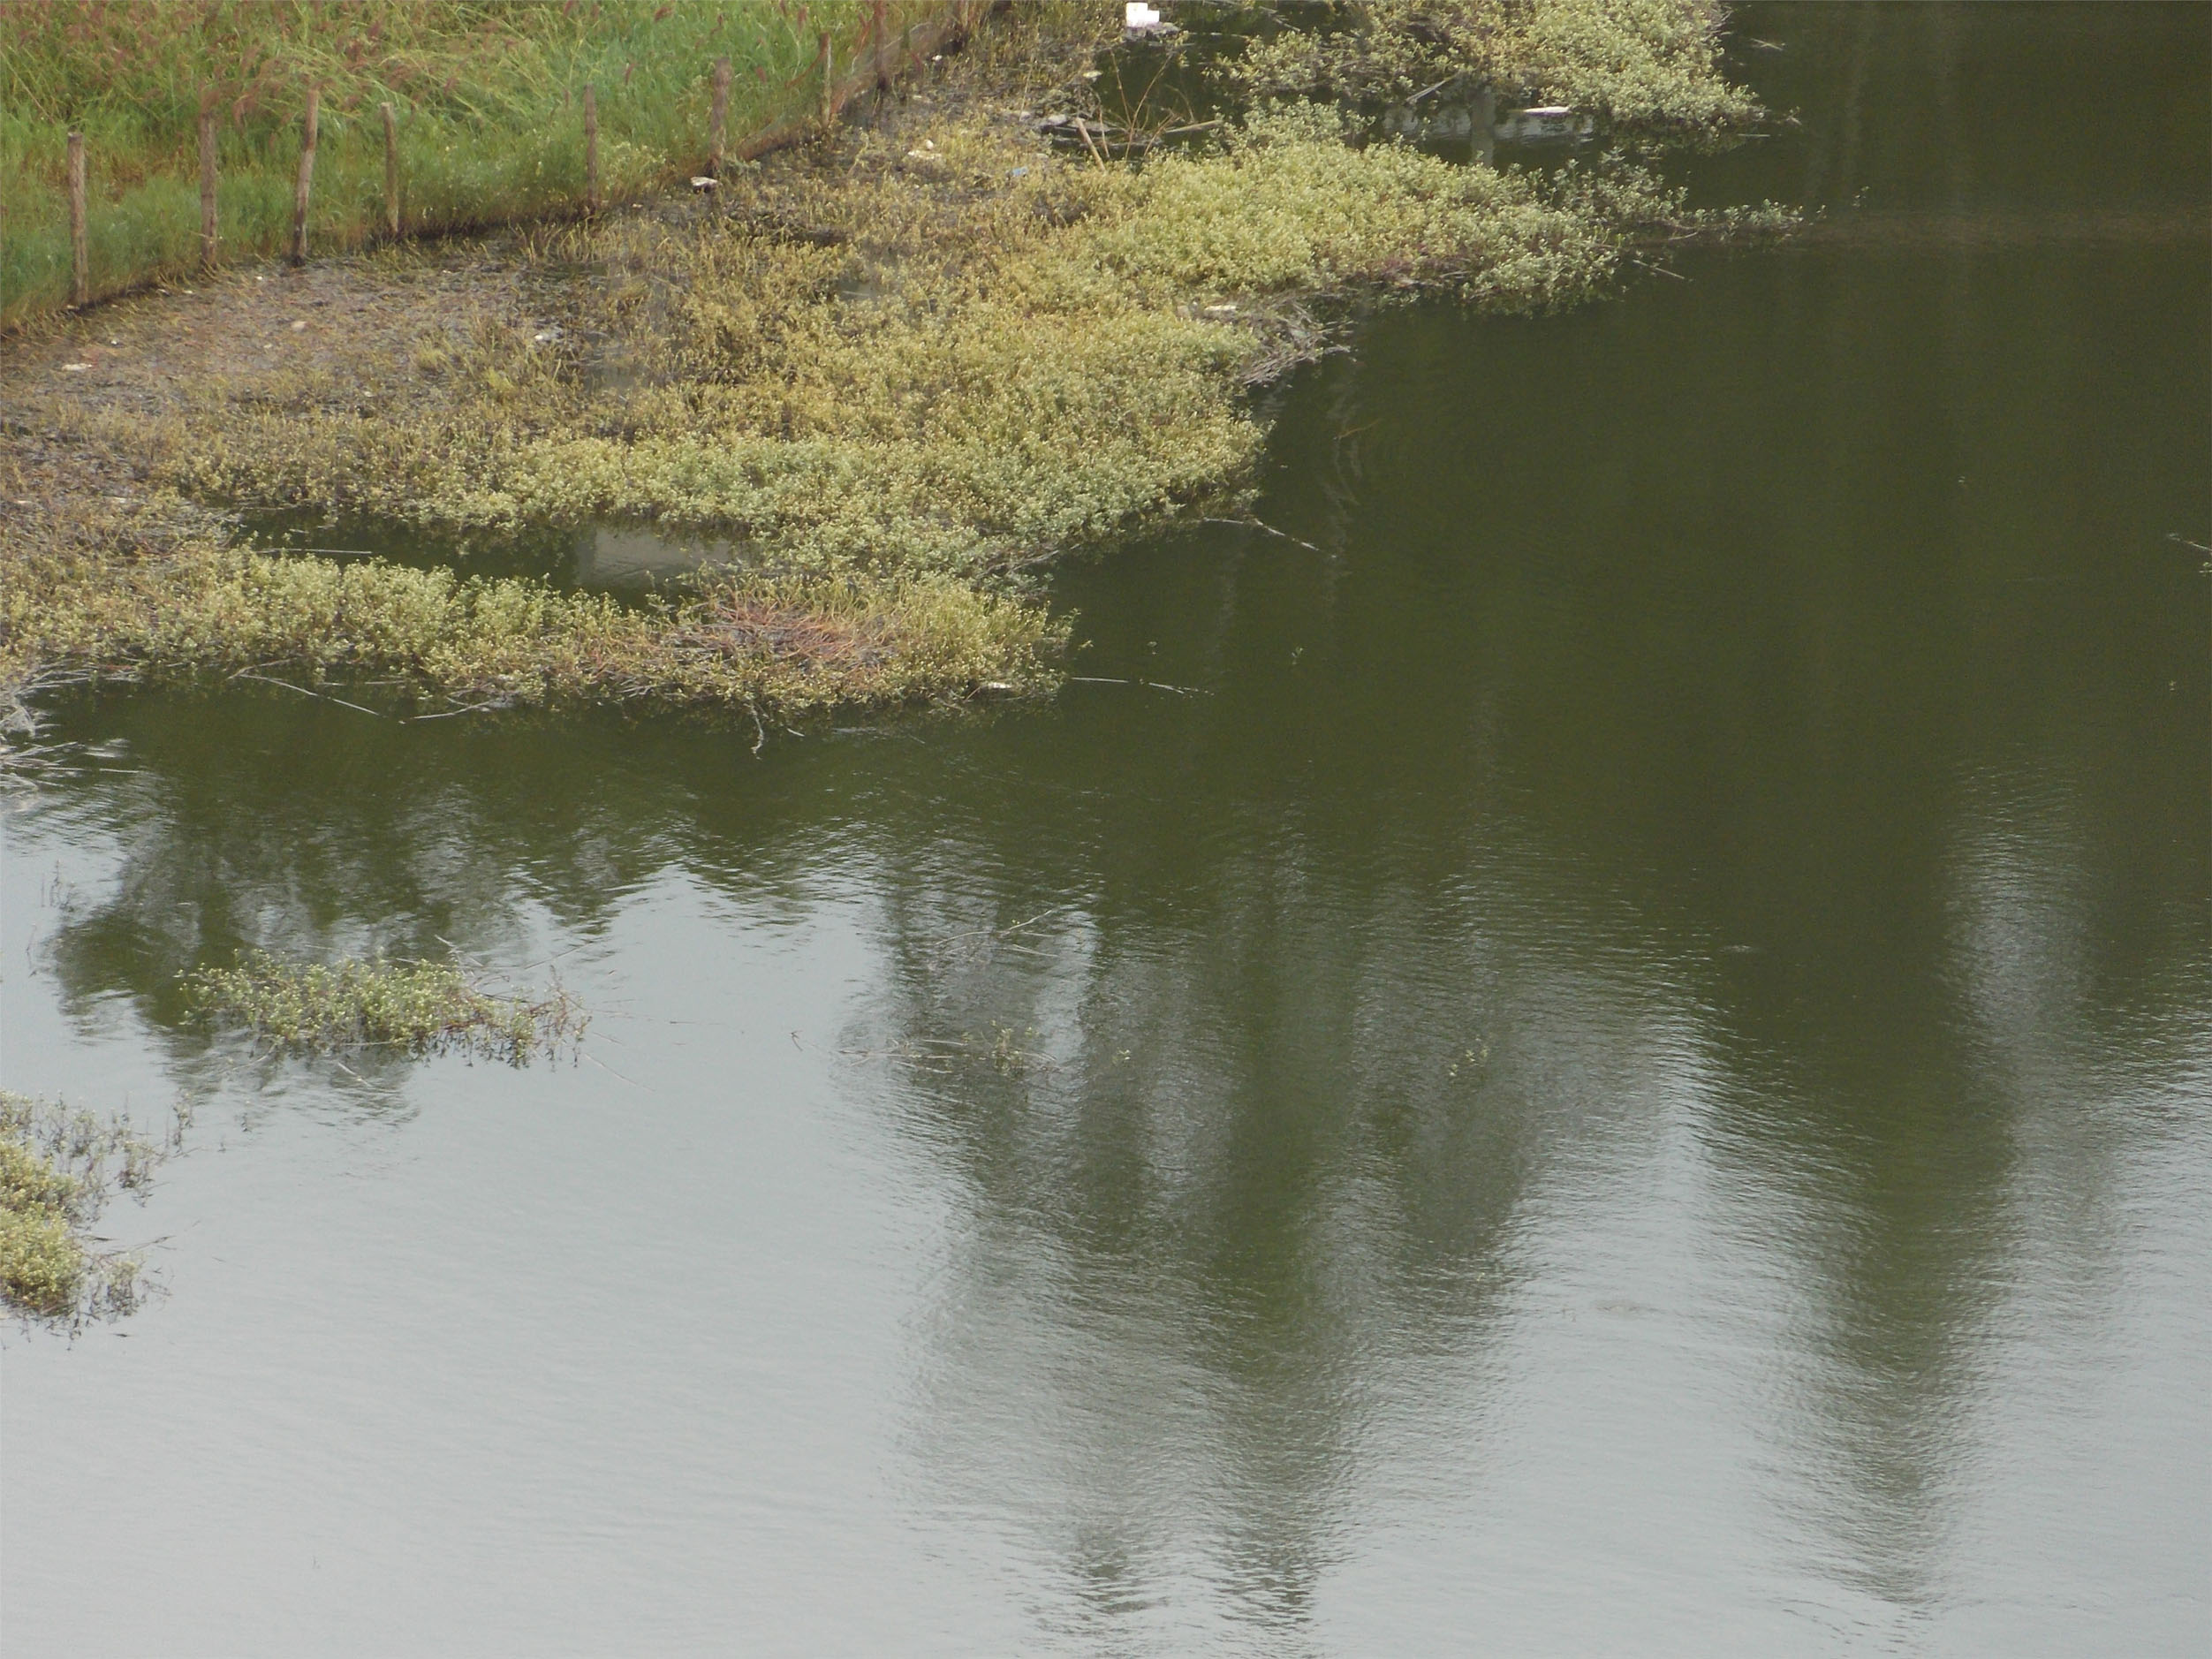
[(718, 117), (591, 150), (391, 173), (307, 176), (209, 228), (825, 58), (80, 250)]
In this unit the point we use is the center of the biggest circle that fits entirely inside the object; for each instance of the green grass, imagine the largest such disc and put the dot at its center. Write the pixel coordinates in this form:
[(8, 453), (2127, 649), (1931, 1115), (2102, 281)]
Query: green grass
[(489, 129)]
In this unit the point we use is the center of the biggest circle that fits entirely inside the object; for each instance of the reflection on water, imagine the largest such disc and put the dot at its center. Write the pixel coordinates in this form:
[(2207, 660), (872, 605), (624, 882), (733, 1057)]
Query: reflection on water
[(626, 557), (1630, 1077)]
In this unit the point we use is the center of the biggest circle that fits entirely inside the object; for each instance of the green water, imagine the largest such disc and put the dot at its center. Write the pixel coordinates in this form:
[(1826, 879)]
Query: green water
[(1628, 1069)]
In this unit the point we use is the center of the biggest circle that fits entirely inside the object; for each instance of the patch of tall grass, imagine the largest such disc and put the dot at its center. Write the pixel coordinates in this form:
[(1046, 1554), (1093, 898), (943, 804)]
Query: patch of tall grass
[(485, 91)]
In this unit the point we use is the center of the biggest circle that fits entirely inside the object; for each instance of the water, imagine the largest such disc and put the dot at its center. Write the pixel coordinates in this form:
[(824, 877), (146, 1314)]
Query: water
[(1626, 1072)]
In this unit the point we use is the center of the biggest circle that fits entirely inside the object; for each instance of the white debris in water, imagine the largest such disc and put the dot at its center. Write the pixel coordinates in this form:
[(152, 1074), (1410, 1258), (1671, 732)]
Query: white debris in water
[(1141, 22)]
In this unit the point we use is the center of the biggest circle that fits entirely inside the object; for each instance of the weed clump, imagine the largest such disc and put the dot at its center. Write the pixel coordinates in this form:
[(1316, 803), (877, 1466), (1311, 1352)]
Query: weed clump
[(767, 647), (1643, 66), (417, 1008), (58, 1170)]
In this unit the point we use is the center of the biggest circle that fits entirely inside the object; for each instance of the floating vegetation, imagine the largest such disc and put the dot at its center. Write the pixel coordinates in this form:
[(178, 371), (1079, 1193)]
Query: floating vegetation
[(1002, 1048), (1651, 67), (767, 647), (58, 1168), (416, 1008)]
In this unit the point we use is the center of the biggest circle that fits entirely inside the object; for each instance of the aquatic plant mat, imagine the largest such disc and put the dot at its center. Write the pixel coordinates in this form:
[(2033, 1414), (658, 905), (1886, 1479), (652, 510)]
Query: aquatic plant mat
[(414, 1009), (900, 370), (58, 1169), (1649, 68)]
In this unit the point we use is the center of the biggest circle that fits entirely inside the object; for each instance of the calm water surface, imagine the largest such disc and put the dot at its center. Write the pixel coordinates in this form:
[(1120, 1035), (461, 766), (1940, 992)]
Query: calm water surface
[(1631, 1071)]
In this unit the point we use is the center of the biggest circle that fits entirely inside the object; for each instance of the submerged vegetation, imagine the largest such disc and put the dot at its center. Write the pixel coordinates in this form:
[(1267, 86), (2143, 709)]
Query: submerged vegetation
[(58, 1168), (897, 373), (485, 94), (416, 1008)]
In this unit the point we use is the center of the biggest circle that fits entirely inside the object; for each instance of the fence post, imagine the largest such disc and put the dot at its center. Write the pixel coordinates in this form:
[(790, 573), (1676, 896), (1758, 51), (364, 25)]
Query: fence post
[(824, 56), (208, 228), (591, 150), (391, 173), (307, 176), (717, 116), (80, 250)]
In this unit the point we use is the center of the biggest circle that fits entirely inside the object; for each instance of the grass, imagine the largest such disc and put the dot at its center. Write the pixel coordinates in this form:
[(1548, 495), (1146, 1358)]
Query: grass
[(956, 353), (58, 1168), (766, 648), (489, 129), (1647, 67), (417, 1008), (899, 372)]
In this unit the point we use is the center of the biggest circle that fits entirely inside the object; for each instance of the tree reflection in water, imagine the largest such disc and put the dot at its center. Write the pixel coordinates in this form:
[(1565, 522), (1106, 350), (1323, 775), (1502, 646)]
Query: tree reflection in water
[(1683, 930)]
